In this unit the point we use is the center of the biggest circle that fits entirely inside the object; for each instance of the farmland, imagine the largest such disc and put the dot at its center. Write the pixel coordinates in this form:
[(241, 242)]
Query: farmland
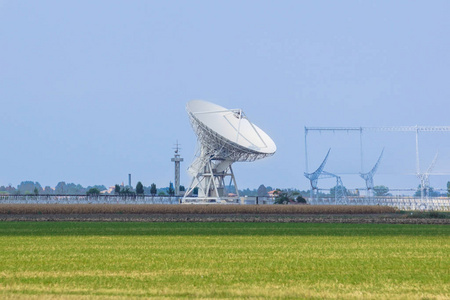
[(223, 260)]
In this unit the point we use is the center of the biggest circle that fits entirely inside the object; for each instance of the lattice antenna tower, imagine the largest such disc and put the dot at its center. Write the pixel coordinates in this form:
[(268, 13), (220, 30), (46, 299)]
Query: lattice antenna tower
[(314, 176), (340, 194), (416, 129), (425, 179), (368, 177)]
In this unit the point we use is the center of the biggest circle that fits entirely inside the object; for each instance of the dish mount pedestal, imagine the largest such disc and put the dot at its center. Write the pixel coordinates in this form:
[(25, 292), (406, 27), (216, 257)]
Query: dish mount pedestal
[(210, 180)]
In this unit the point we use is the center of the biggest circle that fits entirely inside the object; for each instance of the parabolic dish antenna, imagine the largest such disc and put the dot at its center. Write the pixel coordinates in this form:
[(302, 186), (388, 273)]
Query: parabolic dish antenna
[(224, 136)]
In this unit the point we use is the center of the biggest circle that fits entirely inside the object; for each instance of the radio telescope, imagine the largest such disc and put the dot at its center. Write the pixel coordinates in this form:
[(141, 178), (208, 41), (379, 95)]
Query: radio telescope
[(224, 136)]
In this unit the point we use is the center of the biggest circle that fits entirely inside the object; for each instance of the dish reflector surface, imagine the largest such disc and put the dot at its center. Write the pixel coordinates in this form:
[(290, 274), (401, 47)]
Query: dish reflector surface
[(216, 122)]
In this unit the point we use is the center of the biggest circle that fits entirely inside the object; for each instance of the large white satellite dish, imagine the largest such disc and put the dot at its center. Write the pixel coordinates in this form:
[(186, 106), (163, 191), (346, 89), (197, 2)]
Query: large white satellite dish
[(224, 136)]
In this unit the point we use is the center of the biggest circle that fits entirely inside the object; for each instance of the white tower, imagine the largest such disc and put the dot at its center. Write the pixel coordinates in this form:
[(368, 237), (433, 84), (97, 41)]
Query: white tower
[(177, 159)]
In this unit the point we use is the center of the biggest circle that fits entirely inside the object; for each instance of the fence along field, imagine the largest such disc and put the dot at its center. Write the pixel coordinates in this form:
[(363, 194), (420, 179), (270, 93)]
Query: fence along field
[(399, 202)]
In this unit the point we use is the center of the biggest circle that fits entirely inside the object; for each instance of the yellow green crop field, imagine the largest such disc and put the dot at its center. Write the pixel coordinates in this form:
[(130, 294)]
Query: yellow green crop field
[(223, 260)]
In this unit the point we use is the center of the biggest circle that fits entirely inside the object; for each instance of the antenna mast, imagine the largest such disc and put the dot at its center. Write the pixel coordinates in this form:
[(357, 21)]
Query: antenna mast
[(177, 160)]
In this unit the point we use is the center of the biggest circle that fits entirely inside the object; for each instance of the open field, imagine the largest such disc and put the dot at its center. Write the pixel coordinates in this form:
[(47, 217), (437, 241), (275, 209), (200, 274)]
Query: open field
[(224, 260)]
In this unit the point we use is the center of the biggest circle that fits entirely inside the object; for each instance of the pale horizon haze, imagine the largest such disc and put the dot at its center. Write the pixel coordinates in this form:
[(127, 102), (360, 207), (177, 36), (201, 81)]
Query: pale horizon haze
[(91, 91)]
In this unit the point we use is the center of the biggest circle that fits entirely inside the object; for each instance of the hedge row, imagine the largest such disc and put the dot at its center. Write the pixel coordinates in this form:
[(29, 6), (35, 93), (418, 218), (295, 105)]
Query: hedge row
[(189, 209)]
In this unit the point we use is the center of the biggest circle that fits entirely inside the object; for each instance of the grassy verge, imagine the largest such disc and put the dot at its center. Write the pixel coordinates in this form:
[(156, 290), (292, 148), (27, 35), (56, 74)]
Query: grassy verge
[(223, 260), (426, 214)]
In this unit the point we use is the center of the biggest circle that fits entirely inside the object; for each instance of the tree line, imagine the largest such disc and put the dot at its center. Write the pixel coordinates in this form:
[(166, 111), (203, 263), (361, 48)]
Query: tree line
[(63, 188), (149, 190), (35, 188)]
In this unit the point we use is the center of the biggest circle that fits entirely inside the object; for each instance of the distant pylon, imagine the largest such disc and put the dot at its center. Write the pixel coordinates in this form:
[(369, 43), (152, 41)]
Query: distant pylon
[(340, 194), (368, 177), (425, 180), (177, 159), (314, 176)]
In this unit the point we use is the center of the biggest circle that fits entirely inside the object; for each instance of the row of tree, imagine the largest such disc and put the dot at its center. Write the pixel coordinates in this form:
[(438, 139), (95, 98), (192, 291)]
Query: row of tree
[(379, 191), (286, 197), (63, 188), (382, 190), (149, 190)]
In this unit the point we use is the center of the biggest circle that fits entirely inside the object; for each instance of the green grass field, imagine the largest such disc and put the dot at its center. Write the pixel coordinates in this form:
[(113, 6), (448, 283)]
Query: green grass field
[(223, 260)]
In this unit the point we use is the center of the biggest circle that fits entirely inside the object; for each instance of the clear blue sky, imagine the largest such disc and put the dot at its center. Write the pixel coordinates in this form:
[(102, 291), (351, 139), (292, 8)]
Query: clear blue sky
[(93, 90)]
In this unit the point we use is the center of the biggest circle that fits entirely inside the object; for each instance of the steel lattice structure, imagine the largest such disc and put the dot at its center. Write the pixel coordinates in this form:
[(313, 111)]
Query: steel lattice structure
[(340, 195), (215, 144), (217, 151), (417, 129), (368, 177), (425, 180)]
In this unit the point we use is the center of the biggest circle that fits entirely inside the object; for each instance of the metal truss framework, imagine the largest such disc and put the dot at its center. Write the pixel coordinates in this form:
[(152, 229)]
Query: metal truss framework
[(340, 195), (425, 180), (417, 129), (368, 177), (220, 147), (314, 176), (213, 161), (209, 178)]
